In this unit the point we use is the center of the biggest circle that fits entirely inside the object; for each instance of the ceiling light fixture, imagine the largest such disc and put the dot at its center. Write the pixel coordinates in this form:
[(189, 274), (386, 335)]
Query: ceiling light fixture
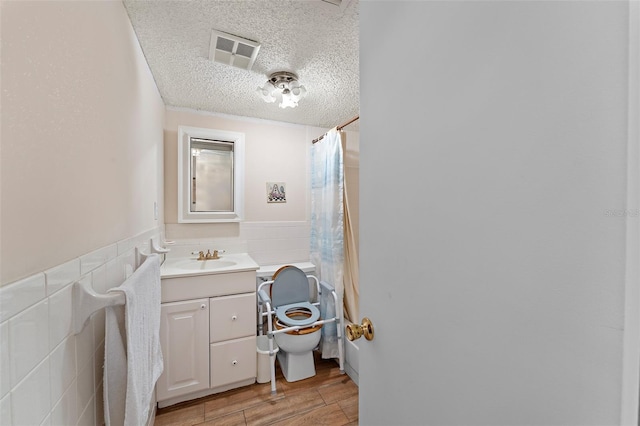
[(283, 85)]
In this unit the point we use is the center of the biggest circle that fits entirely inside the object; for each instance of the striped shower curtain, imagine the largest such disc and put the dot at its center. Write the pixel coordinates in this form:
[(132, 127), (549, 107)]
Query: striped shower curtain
[(327, 229)]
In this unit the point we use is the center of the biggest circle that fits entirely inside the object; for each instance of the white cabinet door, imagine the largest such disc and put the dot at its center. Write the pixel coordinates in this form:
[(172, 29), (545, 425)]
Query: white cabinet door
[(184, 336)]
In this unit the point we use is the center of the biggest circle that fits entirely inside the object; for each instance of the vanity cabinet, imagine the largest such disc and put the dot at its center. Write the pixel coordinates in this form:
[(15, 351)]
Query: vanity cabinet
[(208, 335)]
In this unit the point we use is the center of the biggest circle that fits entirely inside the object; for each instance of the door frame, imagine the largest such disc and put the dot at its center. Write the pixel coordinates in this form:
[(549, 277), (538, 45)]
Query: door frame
[(631, 352)]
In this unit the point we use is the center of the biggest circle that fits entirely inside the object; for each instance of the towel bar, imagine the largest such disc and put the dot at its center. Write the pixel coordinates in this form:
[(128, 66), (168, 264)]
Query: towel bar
[(86, 300)]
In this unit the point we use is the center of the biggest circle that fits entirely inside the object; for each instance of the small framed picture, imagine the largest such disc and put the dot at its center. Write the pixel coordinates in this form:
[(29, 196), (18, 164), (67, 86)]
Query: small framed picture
[(276, 192)]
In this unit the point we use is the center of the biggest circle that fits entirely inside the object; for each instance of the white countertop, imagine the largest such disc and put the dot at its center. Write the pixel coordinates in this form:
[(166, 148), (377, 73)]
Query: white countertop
[(190, 266)]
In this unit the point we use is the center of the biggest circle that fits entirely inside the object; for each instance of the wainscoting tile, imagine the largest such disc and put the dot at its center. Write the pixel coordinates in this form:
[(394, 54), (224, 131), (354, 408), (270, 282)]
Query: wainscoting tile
[(62, 275), (115, 274), (98, 360), (46, 421), (62, 362), (98, 322), (60, 316), (85, 345), (99, 279), (99, 401), (97, 258), (5, 360), (29, 340), (125, 245), (127, 263), (88, 416), (5, 410), (86, 387), (16, 297), (30, 399), (65, 412), (49, 376)]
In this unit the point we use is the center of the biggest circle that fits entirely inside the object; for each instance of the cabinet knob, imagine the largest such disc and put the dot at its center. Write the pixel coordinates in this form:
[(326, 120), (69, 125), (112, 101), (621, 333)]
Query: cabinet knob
[(203, 306), (234, 362), (234, 317)]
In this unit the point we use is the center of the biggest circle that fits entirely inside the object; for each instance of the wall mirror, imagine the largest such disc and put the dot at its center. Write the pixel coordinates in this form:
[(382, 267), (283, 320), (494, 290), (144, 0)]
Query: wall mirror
[(210, 175)]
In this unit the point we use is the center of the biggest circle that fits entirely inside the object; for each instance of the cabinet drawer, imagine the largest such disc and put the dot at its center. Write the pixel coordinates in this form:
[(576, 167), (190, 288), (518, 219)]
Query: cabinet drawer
[(232, 317), (233, 361)]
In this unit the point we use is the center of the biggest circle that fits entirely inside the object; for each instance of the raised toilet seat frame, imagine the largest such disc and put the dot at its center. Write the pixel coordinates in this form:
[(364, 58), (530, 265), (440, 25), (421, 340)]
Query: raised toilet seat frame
[(266, 309)]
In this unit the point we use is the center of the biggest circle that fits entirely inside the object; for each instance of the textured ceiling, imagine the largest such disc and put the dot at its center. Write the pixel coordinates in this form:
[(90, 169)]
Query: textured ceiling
[(314, 39)]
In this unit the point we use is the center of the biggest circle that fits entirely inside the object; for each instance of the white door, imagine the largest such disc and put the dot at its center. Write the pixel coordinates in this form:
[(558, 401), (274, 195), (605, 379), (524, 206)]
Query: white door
[(493, 149), (184, 336)]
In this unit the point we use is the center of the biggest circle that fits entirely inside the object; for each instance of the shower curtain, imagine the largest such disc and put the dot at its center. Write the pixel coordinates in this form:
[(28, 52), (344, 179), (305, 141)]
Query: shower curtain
[(333, 241), (351, 262), (327, 229)]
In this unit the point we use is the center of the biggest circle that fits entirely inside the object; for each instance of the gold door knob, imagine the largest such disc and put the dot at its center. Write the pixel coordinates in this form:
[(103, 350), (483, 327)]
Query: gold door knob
[(355, 331)]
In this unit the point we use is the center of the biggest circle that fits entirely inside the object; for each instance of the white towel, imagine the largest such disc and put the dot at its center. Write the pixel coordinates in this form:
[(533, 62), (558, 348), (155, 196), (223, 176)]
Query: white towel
[(133, 358)]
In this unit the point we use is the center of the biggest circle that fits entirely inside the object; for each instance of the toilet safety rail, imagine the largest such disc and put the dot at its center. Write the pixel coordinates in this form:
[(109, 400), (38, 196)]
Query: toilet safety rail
[(265, 309)]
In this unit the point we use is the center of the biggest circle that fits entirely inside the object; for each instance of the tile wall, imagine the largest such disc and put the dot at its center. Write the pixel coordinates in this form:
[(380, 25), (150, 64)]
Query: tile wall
[(48, 375), (268, 243)]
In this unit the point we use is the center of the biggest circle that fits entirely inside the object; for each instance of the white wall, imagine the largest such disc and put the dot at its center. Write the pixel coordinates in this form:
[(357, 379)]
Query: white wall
[(272, 233), (81, 133), (493, 175), (274, 152), (81, 167)]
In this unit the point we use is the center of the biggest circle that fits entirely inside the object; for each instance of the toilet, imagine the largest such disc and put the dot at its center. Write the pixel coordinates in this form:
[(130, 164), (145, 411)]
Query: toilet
[(296, 349), (291, 299)]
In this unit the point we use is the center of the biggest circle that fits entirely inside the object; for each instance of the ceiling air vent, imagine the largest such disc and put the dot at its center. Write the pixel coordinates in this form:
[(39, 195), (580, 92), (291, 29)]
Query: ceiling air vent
[(232, 50)]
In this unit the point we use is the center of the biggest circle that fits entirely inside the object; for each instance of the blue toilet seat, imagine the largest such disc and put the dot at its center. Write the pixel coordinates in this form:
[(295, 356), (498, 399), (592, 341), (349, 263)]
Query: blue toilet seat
[(281, 314)]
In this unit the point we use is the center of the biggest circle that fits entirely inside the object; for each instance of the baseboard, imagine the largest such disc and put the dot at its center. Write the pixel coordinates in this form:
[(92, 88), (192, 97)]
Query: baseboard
[(205, 392)]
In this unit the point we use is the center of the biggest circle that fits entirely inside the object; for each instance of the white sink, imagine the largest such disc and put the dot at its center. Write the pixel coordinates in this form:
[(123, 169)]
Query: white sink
[(186, 266)]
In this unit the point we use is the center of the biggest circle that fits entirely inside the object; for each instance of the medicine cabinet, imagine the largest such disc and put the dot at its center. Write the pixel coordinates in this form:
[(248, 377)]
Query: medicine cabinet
[(210, 175)]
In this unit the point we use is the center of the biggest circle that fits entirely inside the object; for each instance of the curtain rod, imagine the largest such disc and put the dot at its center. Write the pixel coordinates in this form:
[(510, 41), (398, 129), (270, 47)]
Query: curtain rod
[(339, 127)]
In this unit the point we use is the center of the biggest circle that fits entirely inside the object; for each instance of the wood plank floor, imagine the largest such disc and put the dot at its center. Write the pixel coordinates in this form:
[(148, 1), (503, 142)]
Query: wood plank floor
[(328, 398)]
